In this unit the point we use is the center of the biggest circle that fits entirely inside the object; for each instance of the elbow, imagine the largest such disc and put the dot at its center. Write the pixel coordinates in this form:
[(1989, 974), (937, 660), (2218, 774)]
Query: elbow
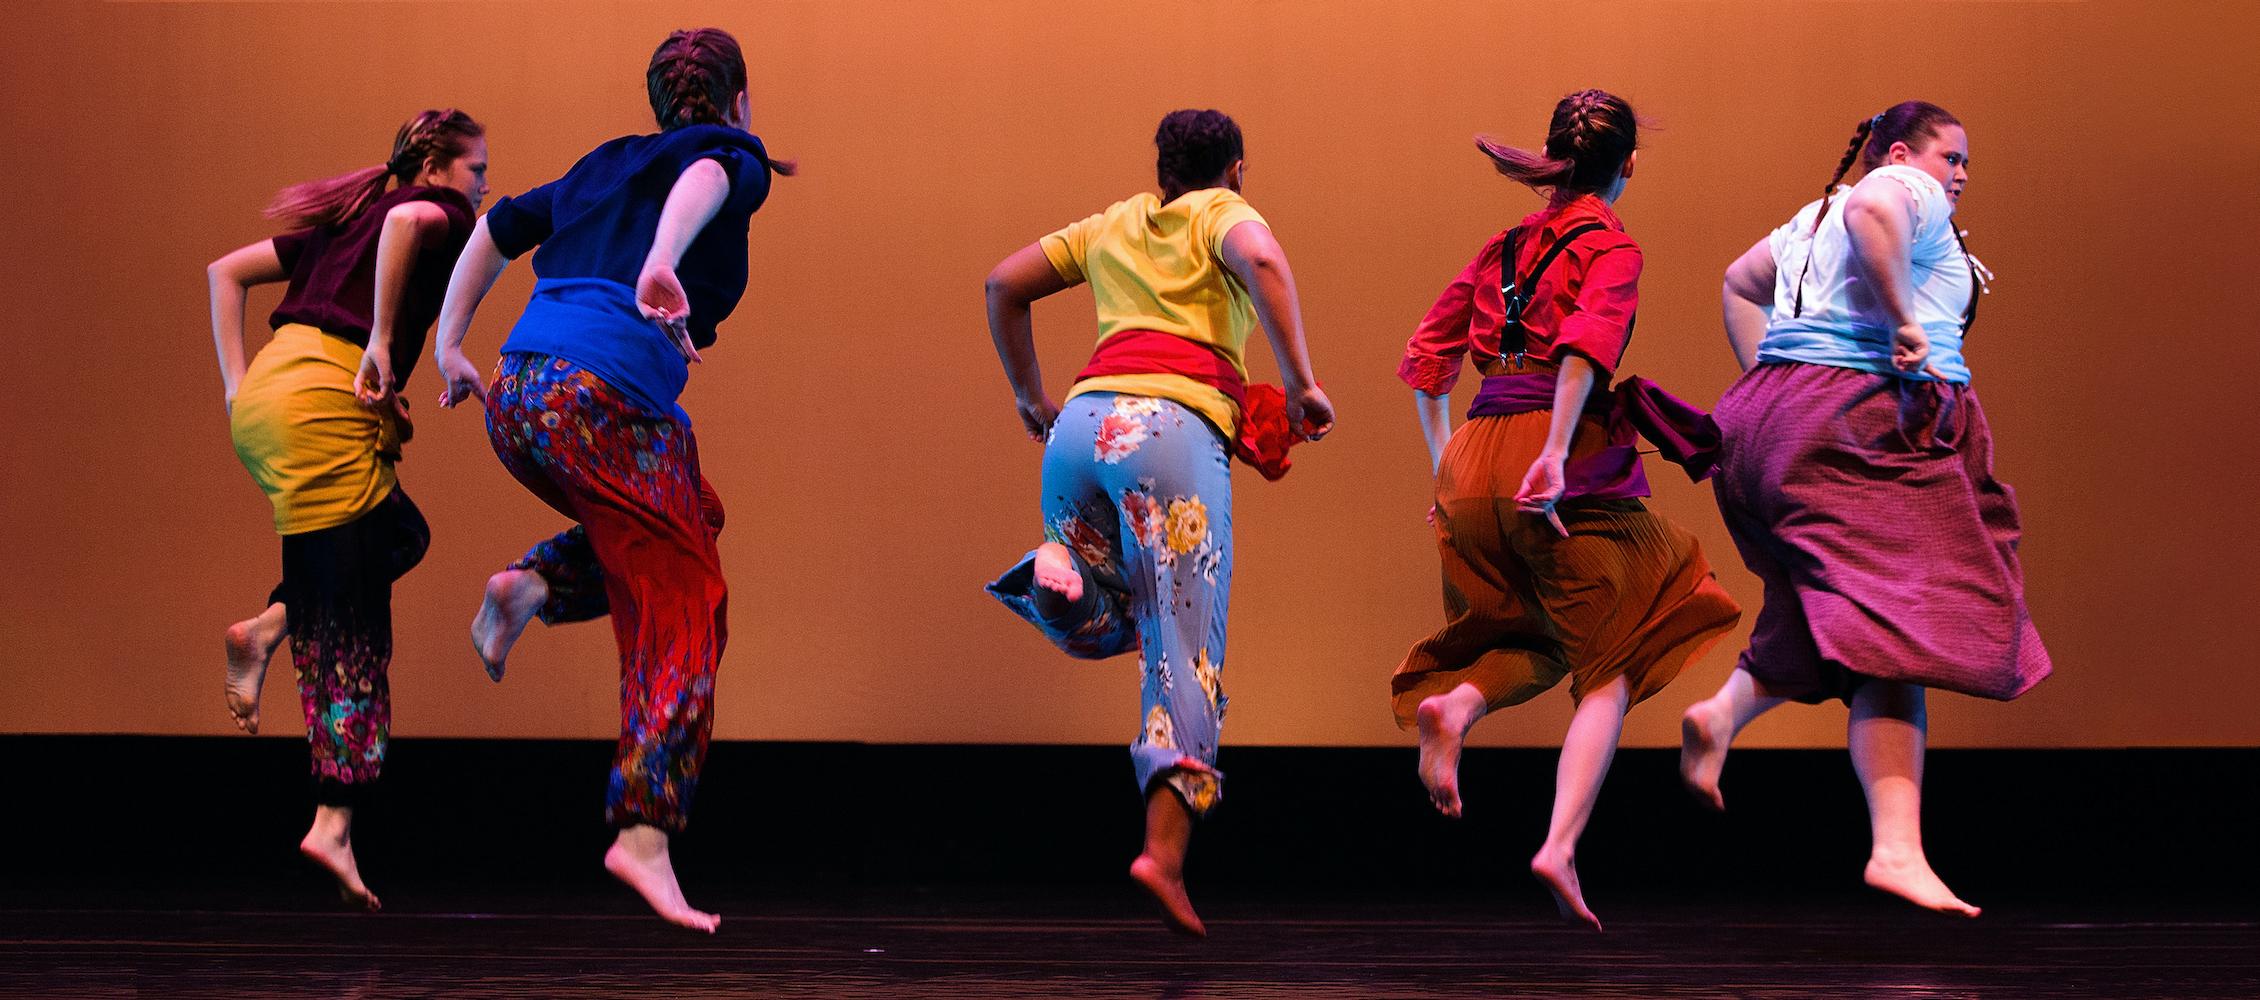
[(1000, 291)]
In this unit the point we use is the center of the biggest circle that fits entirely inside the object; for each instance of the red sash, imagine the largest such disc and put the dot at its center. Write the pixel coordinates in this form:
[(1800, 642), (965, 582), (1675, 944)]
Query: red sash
[(1264, 436)]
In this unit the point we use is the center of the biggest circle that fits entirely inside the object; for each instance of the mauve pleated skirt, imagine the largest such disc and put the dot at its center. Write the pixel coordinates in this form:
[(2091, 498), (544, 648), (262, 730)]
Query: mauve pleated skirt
[(1867, 506)]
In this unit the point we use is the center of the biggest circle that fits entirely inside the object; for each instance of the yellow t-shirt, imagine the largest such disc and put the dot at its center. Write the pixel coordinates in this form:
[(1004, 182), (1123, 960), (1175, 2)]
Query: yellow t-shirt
[(1161, 267)]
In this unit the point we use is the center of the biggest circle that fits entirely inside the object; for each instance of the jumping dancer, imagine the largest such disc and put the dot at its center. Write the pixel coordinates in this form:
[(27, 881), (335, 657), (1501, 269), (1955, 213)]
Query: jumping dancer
[(1553, 567), (317, 422), (1857, 478), (643, 252), (1137, 487)]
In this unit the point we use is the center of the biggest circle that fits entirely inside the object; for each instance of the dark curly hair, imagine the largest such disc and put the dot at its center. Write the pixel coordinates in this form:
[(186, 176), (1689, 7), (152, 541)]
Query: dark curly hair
[(693, 77), (1194, 148), (1592, 134)]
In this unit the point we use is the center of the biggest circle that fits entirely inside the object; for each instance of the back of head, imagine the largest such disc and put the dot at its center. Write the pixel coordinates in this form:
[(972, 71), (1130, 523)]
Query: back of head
[(438, 136), (694, 78), (1590, 137), (1194, 149)]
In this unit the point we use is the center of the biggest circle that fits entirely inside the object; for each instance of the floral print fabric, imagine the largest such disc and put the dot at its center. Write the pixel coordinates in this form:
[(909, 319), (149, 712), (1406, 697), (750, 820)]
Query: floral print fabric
[(337, 585), (630, 477), (1140, 490)]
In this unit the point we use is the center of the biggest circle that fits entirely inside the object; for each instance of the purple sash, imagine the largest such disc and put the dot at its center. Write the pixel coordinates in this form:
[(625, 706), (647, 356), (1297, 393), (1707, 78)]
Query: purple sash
[(1633, 409)]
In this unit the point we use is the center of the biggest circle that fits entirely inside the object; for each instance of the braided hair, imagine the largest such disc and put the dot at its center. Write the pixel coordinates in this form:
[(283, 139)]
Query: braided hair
[(1193, 149), (1872, 139), (1590, 137), (439, 135), (694, 77)]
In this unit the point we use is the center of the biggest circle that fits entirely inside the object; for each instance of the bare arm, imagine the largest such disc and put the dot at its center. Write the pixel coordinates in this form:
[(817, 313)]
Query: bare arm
[(408, 228), (1254, 257), (1435, 413), (697, 195), (230, 279), (475, 272), (1880, 219), (1544, 484), (1014, 285), (1747, 299)]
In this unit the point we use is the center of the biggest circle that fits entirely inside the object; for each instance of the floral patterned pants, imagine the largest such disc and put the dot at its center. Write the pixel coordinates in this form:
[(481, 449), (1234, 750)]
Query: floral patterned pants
[(645, 539), (337, 585), (1140, 490)]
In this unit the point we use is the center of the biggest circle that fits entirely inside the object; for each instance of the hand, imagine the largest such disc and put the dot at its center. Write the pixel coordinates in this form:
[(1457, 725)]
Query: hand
[(373, 383), (660, 297), (460, 378), (1037, 415), (1910, 351), (1542, 488), (1309, 413)]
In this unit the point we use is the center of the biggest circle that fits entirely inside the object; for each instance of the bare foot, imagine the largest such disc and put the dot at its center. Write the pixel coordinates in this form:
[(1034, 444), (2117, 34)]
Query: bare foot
[(335, 853), (1168, 891), (645, 868), (1444, 720), (250, 644), (1702, 753), (1055, 571), (1559, 872), (513, 596), (1910, 878)]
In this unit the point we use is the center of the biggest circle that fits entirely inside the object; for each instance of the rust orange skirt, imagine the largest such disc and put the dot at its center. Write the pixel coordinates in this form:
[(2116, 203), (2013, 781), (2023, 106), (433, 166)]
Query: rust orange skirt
[(1627, 594)]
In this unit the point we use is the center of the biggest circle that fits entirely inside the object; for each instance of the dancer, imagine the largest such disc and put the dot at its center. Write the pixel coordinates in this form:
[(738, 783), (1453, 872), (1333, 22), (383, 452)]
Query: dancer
[(1552, 566), (1857, 479), (1137, 485), (317, 422), (643, 252)]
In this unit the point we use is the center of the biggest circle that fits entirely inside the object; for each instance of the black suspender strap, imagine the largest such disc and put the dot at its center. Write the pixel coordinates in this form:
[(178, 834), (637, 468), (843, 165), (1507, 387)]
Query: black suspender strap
[(1517, 291)]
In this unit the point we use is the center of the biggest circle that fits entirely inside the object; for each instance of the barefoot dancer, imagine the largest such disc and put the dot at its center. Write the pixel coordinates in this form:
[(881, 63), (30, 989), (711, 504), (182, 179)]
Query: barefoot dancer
[(1857, 478), (366, 267), (643, 251), (1552, 566), (1137, 482)]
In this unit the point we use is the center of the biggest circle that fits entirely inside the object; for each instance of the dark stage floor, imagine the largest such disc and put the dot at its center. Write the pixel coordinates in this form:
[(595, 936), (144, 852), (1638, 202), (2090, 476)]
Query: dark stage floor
[(1093, 945)]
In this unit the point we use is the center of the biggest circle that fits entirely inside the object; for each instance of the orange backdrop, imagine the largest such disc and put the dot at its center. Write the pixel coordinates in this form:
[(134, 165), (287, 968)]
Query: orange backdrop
[(854, 418)]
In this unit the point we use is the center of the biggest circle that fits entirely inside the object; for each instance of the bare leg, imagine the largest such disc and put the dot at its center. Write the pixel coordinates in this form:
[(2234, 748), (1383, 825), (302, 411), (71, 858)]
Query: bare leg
[(1586, 752), (1161, 869), (251, 643), (513, 596), (1887, 734), (330, 844), (1056, 572), (1709, 728), (639, 858), (1444, 721)]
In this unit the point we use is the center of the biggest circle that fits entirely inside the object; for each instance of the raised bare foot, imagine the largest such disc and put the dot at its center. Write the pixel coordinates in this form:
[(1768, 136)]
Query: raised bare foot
[(1702, 753), (1444, 720), (1910, 878), (250, 644), (1559, 872), (334, 851), (513, 596), (1168, 891), (1055, 571), (648, 871)]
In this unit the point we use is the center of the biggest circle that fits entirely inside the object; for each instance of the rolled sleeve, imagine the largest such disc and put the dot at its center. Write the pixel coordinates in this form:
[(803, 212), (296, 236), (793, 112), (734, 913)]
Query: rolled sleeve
[(1599, 324), (1432, 356)]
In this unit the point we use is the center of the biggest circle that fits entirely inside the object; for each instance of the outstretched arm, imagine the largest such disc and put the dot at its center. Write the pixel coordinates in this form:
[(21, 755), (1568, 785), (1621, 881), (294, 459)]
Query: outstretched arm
[(1746, 300), (1013, 286), (1254, 257), (475, 272), (230, 279)]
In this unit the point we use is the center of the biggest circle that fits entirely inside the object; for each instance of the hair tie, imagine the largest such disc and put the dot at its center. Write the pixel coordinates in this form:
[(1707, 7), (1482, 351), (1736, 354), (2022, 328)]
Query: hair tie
[(1877, 121)]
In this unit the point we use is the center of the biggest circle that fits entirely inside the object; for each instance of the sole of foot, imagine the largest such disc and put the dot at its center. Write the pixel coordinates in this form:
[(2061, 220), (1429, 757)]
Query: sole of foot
[(1702, 757), (1441, 737), (1169, 894), (248, 653), (512, 598), (1560, 877), (654, 880)]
